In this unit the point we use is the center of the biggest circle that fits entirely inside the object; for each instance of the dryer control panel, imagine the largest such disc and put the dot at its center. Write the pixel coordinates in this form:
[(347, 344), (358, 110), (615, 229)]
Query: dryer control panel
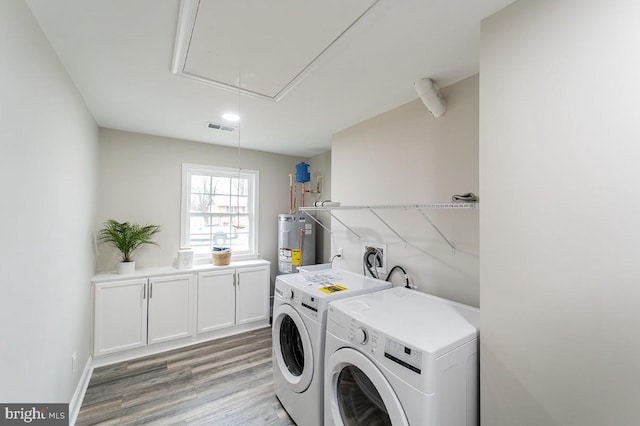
[(367, 339), (403, 355)]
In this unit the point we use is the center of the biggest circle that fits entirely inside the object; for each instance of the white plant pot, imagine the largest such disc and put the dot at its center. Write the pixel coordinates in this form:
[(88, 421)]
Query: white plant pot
[(127, 267)]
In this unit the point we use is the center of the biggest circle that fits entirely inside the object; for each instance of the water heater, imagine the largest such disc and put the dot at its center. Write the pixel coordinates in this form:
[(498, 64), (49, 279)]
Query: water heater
[(296, 242)]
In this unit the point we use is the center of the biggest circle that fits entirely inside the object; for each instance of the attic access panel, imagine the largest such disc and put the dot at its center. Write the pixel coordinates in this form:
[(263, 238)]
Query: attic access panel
[(271, 45)]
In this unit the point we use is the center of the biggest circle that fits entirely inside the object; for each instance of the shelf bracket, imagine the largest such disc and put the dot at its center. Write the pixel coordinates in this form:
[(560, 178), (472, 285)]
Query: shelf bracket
[(453, 249), (419, 207), (345, 225), (388, 226), (322, 225)]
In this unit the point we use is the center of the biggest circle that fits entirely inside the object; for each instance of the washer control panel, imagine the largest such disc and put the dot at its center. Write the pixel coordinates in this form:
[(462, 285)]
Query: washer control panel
[(302, 301), (403, 355), (310, 303), (360, 336), (285, 292), (367, 339)]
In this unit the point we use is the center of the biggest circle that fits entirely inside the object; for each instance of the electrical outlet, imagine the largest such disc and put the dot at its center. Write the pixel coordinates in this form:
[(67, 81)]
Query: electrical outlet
[(73, 362), (382, 248)]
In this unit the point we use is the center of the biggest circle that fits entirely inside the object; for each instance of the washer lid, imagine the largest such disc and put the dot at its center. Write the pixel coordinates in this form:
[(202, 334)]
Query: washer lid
[(431, 324), (331, 284)]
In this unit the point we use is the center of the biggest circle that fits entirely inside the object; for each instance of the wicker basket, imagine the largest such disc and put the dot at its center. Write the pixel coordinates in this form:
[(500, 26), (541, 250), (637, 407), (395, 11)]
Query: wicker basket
[(221, 258)]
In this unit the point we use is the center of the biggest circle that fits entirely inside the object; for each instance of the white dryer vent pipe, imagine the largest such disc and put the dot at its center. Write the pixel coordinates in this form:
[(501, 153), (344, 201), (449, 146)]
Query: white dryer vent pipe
[(327, 203), (430, 95)]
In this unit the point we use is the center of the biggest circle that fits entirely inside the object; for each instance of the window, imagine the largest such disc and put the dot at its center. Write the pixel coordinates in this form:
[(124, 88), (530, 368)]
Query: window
[(219, 209)]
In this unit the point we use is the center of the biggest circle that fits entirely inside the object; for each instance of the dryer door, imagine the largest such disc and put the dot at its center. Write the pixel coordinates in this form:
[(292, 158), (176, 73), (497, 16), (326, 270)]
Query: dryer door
[(292, 348), (358, 393)]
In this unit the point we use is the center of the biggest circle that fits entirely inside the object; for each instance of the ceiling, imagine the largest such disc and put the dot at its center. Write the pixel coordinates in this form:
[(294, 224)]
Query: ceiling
[(296, 72)]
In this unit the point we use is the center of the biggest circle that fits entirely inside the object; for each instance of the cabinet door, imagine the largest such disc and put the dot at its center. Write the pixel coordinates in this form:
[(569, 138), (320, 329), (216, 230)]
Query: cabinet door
[(171, 308), (216, 300), (120, 319), (252, 294)]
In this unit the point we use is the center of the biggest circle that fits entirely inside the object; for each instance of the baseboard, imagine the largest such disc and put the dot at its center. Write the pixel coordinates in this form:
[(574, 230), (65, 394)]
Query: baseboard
[(78, 395)]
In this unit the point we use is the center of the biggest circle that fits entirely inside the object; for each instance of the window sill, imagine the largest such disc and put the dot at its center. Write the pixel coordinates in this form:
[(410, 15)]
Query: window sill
[(203, 259)]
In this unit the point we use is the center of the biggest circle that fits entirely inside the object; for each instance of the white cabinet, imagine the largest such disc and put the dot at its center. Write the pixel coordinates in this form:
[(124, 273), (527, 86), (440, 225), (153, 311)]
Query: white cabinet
[(171, 308), (134, 313), (159, 309), (252, 294), (232, 297), (216, 300), (120, 316)]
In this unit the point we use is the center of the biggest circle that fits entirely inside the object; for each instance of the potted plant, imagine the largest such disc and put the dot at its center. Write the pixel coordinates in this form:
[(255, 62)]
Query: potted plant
[(127, 237)]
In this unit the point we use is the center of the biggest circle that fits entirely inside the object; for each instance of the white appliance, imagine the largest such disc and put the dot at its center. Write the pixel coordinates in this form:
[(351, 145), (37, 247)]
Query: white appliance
[(296, 242), (299, 322), (401, 357)]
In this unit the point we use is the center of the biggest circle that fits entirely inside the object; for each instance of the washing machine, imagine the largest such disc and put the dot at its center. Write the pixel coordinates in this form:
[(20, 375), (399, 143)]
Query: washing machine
[(401, 357), (299, 322)]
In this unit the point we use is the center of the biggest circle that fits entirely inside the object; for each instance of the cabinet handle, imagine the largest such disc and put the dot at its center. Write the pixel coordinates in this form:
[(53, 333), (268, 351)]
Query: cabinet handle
[(144, 291), (150, 290), (234, 279), (238, 275)]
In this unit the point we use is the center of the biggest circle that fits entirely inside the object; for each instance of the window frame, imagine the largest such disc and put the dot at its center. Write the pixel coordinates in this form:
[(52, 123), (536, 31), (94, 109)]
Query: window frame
[(253, 176)]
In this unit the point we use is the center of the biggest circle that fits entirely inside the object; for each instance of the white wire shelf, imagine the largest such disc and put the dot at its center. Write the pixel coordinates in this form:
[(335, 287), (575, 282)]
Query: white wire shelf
[(371, 208), (395, 207)]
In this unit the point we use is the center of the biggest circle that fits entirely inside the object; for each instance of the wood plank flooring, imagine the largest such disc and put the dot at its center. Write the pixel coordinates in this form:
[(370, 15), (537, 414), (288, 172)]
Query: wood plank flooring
[(223, 382)]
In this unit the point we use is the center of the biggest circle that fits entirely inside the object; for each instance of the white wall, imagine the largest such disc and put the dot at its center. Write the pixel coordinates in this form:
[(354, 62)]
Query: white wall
[(560, 216), (140, 181), (405, 156), (48, 147)]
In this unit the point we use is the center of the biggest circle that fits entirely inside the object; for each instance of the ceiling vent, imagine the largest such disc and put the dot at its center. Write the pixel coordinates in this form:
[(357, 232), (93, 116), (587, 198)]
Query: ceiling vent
[(222, 127)]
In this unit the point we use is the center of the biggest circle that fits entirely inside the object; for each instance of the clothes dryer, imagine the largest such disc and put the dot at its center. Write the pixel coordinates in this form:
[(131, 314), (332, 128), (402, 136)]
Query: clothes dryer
[(299, 322), (401, 357)]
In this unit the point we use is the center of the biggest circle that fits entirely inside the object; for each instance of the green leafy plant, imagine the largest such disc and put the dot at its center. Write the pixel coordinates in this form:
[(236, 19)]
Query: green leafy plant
[(127, 237)]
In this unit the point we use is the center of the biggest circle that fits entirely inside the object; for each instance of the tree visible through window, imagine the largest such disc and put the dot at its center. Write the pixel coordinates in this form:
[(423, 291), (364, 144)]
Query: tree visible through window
[(219, 209)]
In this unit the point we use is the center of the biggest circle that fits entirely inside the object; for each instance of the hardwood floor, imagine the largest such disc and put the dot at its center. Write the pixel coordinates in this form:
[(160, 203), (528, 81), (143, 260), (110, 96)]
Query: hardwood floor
[(223, 382)]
